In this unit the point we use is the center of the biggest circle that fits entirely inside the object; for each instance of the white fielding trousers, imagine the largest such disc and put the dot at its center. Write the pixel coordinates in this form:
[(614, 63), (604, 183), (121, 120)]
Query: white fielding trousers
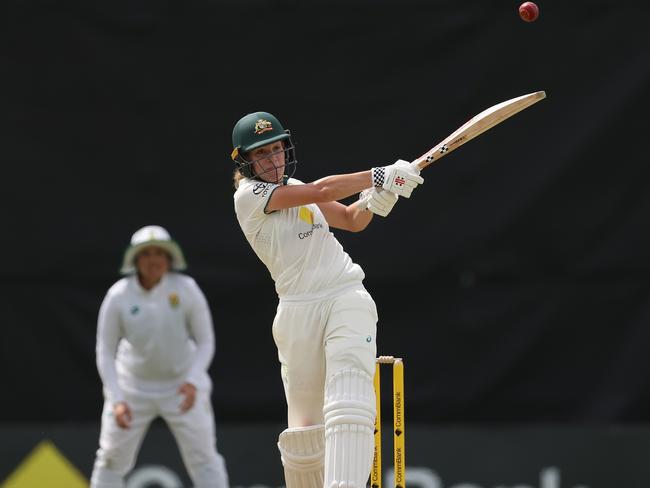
[(193, 430)]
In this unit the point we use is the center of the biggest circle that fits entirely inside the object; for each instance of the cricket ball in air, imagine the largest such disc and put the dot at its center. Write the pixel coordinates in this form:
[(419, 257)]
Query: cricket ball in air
[(528, 11)]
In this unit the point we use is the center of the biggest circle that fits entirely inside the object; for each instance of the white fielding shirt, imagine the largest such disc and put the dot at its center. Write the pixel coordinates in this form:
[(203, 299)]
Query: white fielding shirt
[(148, 340), (304, 258)]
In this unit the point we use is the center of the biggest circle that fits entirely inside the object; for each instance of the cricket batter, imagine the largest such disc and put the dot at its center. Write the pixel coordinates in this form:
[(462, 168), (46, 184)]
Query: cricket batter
[(154, 344), (325, 326)]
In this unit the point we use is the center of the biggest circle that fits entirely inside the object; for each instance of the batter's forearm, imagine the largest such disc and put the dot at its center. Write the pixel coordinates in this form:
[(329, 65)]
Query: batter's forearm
[(358, 218), (338, 187)]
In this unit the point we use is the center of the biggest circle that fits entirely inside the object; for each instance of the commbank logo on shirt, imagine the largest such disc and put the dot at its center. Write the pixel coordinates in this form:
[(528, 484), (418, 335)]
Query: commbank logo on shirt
[(306, 215), (304, 235)]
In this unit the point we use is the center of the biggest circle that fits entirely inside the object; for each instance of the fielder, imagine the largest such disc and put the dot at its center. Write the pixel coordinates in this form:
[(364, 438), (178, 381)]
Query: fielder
[(154, 344), (325, 326)]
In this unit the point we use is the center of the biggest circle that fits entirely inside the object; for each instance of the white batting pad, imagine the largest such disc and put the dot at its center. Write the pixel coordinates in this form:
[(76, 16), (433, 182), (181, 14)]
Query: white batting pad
[(302, 450), (102, 477), (349, 429)]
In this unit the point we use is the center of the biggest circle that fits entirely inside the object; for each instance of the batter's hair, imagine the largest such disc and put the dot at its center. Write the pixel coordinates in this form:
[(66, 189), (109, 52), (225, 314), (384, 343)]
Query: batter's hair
[(236, 178)]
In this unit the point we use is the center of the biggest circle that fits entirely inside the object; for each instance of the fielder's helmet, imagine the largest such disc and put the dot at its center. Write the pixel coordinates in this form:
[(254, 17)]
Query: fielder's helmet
[(256, 130)]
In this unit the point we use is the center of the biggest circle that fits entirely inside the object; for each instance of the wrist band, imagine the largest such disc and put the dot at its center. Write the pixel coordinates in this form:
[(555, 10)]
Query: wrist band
[(378, 176)]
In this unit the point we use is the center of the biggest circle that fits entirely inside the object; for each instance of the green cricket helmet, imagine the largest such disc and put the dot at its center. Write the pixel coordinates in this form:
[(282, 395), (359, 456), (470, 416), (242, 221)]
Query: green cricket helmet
[(256, 130)]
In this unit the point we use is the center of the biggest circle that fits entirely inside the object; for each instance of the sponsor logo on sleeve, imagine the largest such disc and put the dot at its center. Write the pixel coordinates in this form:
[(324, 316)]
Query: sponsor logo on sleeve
[(261, 189)]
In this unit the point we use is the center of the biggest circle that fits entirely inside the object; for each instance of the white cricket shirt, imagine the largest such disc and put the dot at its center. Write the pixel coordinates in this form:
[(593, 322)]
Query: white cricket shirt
[(148, 340), (304, 258)]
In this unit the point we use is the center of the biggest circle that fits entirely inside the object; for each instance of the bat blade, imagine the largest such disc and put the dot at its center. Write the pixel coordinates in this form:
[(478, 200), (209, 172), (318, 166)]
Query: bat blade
[(477, 125)]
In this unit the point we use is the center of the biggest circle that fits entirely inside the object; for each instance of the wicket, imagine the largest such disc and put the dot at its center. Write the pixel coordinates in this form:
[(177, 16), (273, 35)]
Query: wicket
[(398, 423)]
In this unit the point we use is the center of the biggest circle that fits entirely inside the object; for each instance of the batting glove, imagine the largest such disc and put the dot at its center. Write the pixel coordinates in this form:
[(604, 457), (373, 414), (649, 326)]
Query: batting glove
[(400, 177), (378, 201)]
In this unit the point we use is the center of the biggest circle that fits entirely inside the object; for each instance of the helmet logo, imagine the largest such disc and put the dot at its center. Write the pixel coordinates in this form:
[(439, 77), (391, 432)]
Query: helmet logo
[(262, 126)]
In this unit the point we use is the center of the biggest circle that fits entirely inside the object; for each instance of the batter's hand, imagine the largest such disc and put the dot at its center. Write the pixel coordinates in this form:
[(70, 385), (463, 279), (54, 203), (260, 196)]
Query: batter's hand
[(400, 178), (122, 414), (378, 201), (188, 390)]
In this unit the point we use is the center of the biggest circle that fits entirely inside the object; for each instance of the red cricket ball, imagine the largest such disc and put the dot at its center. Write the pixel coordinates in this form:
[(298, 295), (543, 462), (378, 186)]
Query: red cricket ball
[(529, 11)]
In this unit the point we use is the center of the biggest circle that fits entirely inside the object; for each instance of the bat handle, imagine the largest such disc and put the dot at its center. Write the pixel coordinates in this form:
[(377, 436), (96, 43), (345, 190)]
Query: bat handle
[(418, 165)]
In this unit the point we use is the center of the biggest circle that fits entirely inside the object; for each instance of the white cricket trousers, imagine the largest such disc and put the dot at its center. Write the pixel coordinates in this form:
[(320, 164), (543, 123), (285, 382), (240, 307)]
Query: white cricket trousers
[(193, 430), (316, 340)]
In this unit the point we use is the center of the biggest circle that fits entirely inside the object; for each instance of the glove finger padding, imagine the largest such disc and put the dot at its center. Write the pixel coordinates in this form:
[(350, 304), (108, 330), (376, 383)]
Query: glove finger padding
[(381, 202), (400, 178), (364, 198)]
